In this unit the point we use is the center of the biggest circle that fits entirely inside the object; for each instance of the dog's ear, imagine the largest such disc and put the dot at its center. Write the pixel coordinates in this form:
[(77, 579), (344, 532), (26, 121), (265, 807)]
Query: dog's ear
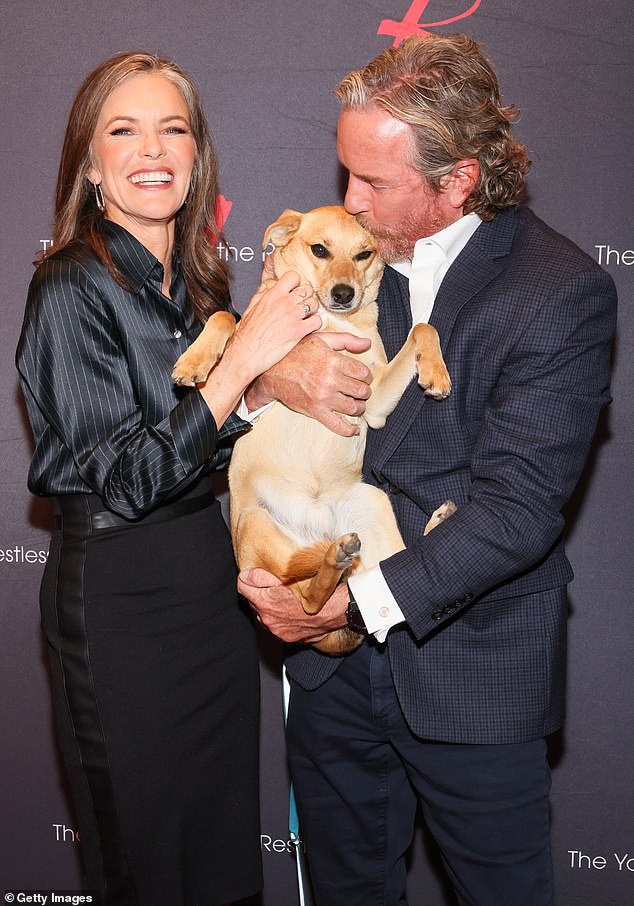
[(281, 231)]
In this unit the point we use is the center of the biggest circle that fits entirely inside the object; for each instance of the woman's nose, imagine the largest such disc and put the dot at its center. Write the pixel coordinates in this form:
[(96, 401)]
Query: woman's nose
[(152, 145)]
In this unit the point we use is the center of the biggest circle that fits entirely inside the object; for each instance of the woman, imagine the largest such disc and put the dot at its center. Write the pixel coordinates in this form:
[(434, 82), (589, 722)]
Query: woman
[(154, 666)]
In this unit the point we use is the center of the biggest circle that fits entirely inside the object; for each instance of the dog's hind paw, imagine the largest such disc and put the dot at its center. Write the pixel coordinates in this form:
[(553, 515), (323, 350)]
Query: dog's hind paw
[(444, 511), (348, 547)]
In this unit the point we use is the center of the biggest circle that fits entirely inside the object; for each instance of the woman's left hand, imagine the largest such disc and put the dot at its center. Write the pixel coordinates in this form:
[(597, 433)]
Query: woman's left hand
[(275, 320)]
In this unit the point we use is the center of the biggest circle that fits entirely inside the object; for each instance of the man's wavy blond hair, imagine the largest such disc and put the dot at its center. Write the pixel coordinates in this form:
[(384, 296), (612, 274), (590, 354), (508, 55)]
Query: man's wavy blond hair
[(447, 91)]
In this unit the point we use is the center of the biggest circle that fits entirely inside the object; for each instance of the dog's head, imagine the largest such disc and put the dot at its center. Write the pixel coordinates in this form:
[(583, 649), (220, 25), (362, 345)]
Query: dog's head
[(332, 252)]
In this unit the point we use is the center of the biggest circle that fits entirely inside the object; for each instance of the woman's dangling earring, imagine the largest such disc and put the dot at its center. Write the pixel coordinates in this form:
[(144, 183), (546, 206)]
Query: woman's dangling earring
[(101, 204)]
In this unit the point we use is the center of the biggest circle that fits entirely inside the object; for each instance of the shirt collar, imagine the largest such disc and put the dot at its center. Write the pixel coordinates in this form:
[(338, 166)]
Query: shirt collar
[(452, 239), (131, 258)]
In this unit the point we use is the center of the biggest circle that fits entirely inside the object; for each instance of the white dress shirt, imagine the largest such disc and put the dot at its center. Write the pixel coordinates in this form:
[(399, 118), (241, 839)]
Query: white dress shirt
[(433, 257)]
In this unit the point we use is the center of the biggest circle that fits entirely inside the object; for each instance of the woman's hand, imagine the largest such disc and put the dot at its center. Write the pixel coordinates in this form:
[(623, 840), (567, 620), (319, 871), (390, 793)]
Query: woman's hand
[(274, 322)]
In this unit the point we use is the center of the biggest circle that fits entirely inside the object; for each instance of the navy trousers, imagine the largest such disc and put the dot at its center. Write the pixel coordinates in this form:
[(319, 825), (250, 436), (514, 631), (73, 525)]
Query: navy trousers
[(359, 774)]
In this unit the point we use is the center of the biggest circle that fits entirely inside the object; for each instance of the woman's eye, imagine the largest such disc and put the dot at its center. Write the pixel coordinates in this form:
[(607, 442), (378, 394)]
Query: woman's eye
[(363, 256), (319, 251), (122, 130)]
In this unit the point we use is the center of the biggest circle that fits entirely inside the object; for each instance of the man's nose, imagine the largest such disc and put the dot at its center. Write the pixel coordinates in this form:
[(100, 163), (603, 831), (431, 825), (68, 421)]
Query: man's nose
[(356, 200)]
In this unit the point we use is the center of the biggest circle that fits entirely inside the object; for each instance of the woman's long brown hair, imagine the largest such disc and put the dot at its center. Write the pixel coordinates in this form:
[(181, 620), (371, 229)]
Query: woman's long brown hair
[(77, 215)]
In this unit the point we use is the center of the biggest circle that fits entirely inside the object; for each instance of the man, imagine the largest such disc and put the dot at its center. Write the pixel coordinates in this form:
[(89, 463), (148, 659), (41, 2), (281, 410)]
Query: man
[(462, 677)]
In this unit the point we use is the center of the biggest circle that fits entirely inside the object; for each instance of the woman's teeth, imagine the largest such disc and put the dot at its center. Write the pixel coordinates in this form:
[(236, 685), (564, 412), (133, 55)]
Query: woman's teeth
[(159, 177)]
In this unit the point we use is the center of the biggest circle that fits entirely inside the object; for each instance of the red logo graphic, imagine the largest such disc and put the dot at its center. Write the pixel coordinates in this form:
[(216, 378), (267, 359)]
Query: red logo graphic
[(411, 24), (221, 212)]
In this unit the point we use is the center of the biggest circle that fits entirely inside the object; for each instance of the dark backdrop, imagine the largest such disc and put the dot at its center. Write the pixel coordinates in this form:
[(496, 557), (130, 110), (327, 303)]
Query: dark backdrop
[(265, 71)]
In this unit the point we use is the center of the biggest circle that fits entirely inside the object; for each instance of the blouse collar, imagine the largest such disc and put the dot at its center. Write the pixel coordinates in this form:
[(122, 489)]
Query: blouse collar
[(131, 258)]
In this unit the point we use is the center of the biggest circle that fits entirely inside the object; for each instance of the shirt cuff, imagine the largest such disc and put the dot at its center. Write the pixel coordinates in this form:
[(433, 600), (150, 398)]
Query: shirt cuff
[(252, 417), (376, 602), (194, 431)]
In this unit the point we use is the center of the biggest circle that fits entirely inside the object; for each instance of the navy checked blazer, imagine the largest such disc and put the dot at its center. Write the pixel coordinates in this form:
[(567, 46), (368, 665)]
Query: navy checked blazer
[(526, 321)]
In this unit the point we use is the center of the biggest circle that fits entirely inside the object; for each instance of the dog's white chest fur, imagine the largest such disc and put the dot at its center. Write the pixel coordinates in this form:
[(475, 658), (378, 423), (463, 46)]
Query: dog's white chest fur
[(310, 494)]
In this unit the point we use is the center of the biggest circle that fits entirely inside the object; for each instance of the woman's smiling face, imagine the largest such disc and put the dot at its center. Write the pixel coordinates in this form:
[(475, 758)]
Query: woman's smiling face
[(143, 153)]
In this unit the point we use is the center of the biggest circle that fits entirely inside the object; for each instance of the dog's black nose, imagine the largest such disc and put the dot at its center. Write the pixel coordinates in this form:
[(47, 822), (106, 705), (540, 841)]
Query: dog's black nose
[(342, 295)]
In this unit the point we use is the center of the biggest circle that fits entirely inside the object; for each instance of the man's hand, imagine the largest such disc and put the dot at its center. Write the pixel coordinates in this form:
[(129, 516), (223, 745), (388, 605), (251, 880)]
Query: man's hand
[(317, 380), (280, 611)]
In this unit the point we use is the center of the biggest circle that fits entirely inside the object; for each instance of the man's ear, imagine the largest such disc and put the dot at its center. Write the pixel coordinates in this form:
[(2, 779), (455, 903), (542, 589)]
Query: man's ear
[(459, 183)]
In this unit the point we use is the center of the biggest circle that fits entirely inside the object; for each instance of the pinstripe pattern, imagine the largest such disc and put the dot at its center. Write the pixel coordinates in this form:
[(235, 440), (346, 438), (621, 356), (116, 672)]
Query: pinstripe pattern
[(95, 364), (526, 321)]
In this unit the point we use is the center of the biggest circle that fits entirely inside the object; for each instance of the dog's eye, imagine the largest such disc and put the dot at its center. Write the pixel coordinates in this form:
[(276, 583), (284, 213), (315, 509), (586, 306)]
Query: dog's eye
[(319, 251), (363, 256)]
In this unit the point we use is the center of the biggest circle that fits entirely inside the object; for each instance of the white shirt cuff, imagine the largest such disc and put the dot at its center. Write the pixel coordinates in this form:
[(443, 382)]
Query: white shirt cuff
[(243, 413), (378, 606)]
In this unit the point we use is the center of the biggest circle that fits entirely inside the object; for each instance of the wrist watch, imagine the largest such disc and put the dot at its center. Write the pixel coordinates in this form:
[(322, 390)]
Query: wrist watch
[(354, 616)]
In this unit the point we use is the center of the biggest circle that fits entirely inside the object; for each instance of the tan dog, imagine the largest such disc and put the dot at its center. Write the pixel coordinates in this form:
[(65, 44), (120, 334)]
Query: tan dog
[(299, 507)]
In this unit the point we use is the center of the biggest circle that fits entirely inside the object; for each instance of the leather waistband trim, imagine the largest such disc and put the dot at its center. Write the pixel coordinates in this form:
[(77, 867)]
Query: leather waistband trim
[(75, 513)]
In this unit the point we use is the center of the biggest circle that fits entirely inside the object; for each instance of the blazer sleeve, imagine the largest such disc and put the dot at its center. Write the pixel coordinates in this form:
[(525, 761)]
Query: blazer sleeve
[(528, 456), (75, 375)]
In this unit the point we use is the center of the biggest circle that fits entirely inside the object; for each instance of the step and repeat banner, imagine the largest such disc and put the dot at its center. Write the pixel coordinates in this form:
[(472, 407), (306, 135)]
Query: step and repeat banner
[(266, 71)]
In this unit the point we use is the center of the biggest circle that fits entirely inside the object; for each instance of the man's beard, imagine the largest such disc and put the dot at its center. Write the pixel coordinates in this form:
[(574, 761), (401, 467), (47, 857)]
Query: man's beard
[(398, 244)]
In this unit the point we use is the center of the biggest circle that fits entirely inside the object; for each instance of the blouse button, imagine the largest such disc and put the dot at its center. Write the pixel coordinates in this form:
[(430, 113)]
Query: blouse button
[(177, 333)]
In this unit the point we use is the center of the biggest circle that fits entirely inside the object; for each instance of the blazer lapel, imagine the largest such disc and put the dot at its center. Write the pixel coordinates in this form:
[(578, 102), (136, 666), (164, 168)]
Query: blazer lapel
[(395, 314), (477, 265)]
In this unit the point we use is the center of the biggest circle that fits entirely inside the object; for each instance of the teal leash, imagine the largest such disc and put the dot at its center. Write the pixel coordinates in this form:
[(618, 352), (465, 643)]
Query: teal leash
[(293, 817)]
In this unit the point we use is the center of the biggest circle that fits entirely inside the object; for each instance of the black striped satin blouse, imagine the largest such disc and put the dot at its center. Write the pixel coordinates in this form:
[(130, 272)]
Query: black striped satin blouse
[(95, 365)]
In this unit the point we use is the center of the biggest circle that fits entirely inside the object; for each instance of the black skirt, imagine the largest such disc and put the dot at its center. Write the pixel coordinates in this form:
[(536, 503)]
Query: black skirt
[(156, 698)]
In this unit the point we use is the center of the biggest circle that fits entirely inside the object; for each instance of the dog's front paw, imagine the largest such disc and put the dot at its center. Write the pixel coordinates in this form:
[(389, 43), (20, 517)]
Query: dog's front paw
[(433, 376), (191, 368), (196, 362), (435, 381)]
